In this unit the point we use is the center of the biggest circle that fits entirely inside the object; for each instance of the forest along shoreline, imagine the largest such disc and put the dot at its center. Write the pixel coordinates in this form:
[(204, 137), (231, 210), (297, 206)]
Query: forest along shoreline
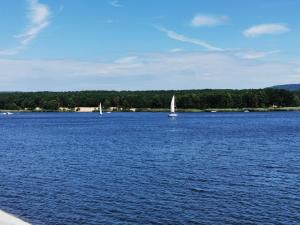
[(270, 109), (220, 100)]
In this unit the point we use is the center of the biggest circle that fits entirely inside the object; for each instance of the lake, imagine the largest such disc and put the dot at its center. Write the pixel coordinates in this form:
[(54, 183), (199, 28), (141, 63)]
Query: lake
[(144, 168)]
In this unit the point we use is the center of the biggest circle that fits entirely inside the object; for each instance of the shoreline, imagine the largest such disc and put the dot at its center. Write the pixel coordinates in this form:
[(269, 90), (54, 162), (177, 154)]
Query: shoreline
[(270, 109), (8, 219)]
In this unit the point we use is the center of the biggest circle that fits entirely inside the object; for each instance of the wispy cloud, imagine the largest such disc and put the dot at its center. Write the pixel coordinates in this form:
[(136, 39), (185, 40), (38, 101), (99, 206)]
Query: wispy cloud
[(253, 54), (208, 20), (183, 70), (179, 37), (263, 29), (39, 20), (174, 50), (10, 52), (110, 21), (38, 15), (61, 8), (125, 60), (115, 3)]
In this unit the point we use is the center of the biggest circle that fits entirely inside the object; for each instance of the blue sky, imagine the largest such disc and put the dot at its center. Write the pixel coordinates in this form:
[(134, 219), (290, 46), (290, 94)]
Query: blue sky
[(140, 45)]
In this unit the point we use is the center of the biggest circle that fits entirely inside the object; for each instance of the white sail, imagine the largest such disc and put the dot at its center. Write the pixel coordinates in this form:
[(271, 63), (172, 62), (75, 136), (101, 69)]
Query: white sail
[(100, 109), (172, 108), (173, 105)]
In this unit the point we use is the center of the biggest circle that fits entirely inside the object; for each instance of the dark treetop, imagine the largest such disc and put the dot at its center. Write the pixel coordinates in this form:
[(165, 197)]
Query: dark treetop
[(199, 99)]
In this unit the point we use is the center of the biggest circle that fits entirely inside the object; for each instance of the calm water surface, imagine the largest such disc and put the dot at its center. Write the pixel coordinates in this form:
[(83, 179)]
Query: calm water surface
[(143, 168)]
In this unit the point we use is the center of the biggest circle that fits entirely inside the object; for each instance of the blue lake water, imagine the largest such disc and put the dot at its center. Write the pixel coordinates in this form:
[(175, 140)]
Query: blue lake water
[(144, 168)]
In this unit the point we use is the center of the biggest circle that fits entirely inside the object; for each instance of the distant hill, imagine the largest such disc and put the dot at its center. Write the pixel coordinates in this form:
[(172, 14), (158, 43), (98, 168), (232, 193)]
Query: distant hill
[(289, 87)]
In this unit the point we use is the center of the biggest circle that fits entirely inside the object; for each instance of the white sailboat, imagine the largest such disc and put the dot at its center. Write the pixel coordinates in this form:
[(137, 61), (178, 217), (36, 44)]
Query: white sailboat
[(172, 108), (7, 113), (100, 109)]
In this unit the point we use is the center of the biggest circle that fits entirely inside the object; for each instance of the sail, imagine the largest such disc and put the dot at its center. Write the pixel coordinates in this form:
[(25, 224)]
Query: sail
[(100, 108), (173, 104)]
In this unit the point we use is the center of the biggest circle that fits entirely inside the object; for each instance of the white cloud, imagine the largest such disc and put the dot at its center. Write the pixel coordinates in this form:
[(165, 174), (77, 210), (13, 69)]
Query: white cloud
[(115, 3), (179, 37), (174, 50), (263, 29), (39, 19), (206, 20), (253, 54), (184, 70), (128, 59), (10, 52)]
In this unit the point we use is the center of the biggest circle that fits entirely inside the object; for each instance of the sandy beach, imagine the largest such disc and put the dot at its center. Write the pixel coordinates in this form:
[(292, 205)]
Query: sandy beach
[(7, 219)]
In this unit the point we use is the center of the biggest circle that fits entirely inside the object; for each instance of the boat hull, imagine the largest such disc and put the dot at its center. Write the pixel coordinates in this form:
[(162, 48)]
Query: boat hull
[(172, 115)]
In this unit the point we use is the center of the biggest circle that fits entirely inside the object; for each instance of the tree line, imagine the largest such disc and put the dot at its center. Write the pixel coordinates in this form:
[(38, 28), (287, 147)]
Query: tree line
[(199, 99)]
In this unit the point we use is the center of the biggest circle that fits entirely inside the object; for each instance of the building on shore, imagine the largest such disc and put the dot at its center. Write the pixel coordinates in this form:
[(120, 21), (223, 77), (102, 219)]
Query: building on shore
[(86, 109)]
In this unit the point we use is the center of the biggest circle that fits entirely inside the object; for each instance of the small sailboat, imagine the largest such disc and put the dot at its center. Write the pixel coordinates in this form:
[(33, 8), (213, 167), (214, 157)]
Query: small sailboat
[(172, 108), (100, 109), (7, 113)]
